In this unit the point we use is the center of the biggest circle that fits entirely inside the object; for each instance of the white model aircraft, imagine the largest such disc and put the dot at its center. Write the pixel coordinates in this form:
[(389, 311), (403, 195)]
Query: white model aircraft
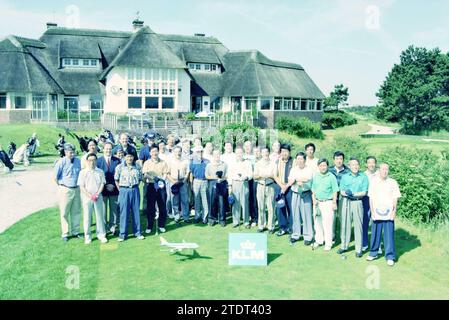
[(178, 247)]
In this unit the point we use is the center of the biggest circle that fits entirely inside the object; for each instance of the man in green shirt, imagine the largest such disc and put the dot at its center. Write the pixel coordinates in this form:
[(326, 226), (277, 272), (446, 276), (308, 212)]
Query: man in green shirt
[(353, 187), (324, 197)]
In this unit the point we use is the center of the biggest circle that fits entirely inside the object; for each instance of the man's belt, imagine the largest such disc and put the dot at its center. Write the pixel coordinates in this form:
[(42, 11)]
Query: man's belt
[(324, 200), (63, 185), (304, 192), (129, 187), (265, 182)]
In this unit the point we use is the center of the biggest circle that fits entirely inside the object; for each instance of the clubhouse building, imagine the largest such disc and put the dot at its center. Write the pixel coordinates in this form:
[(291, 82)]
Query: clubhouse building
[(141, 71)]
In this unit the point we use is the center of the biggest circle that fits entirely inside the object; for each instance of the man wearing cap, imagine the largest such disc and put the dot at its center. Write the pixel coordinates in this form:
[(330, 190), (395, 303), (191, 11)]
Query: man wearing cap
[(282, 189), (127, 178), (126, 146), (264, 173), (353, 187), (197, 170), (108, 163), (300, 181), (252, 185), (239, 172), (91, 181), (66, 174), (216, 173), (383, 195), (154, 173), (324, 197), (178, 172)]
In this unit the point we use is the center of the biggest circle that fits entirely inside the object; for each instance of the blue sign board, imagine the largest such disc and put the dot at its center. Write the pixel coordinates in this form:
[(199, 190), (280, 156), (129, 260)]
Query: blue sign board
[(247, 249)]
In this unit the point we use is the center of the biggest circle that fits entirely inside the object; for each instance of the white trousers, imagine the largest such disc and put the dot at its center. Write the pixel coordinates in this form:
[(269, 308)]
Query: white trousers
[(324, 223), (88, 207)]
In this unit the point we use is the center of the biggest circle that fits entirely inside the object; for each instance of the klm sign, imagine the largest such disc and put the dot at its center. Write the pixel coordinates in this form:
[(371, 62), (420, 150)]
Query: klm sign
[(247, 249)]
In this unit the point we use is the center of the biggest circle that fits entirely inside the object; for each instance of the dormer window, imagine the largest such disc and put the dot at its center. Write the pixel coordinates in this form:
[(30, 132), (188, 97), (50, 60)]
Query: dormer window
[(205, 67), (80, 63)]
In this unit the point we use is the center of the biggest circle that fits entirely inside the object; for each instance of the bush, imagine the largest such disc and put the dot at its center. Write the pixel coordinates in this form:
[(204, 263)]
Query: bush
[(422, 178), (350, 146), (301, 127), (337, 119)]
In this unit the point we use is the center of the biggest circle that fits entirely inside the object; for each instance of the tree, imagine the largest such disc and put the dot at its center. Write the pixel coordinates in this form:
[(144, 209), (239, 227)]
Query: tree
[(336, 98), (416, 91)]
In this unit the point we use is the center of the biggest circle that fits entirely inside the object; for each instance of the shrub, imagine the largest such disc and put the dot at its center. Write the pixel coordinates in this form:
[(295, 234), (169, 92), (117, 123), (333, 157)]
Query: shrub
[(422, 178), (301, 127), (349, 145), (337, 119)]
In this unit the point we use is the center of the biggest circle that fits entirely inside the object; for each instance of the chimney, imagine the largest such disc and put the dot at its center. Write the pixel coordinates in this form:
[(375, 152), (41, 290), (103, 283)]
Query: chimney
[(200, 35), (137, 24), (51, 25)]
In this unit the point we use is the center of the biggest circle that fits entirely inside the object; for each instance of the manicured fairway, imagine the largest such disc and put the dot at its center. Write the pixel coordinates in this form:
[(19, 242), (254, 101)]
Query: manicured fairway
[(34, 262)]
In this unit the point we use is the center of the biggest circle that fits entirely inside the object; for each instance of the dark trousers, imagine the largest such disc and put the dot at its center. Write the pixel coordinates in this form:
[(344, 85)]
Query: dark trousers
[(5, 159), (217, 204), (376, 233), (160, 197), (284, 214), (366, 219), (129, 205), (253, 211)]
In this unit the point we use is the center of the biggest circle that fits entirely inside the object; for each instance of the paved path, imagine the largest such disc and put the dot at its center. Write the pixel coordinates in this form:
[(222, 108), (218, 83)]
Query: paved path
[(380, 130), (25, 192)]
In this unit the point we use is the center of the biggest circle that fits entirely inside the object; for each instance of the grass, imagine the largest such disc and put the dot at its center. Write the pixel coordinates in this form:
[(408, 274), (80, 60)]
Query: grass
[(34, 263)]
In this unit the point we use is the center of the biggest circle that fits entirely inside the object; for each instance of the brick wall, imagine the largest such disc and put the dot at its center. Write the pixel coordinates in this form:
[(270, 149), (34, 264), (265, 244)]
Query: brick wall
[(15, 116)]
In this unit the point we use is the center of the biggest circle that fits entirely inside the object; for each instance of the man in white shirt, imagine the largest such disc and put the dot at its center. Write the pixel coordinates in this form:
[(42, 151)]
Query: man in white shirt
[(300, 180), (228, 156), (264, 173), (311, 161), (371, 172), (275, 151), (383, 195), (91, 181), (178, 175), (239, 173)]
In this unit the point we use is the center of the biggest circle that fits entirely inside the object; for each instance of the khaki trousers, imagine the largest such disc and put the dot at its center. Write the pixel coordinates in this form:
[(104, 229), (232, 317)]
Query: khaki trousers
[(324, 223), (265, 200), (70, 210)]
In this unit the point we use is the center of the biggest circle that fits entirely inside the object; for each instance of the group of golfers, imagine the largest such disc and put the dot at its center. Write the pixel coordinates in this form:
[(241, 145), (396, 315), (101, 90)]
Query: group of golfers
[(260, 186)]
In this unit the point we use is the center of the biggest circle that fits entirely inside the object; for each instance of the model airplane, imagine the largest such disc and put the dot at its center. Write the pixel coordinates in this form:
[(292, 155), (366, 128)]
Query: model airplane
[(178, 247)]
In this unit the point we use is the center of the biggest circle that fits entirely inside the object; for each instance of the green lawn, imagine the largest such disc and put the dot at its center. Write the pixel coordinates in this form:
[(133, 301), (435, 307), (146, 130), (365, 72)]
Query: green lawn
[(34, 262)]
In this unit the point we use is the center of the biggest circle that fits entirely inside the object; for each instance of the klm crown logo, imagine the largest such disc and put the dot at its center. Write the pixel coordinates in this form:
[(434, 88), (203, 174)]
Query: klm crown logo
[(248, 245)]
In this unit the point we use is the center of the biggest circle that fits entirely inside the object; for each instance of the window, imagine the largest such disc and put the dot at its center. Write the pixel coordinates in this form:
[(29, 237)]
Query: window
[(250, 103), (96, 103), (295, 105), (131, 74), (172, 75), (168, 103), (172, 89), (134, 102), (216, 104), (138, 74), (139, 88), (214, 67), (66, 62), (2, 100), (287, 104), (130, 88), (265, 104), (20, 102), (198, 67), (319, 105), (277, 103), (93, 62), (207, 67), (191, 66), (86, 62), (75, 62), (311, 105), (164, 89), (151, 103), (71, 103), (156, 88), (303, 105), (164, 74), (147, 88)]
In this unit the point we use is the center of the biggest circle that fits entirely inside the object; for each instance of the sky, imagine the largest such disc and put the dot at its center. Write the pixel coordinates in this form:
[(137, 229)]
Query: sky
[(354, 42)]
